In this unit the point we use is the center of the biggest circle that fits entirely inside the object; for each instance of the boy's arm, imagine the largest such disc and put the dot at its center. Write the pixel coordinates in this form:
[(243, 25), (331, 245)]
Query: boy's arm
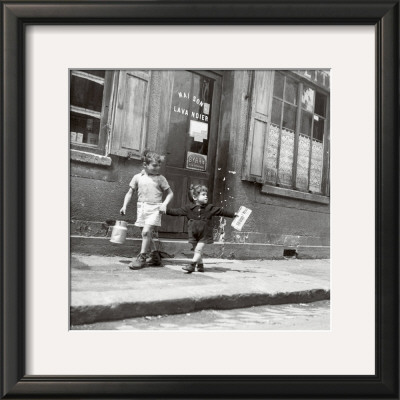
[(170, 195), (178, 212), (220, 211), (127, 199)]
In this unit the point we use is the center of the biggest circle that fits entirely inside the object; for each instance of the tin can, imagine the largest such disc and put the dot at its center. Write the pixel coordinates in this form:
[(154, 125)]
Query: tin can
[(118, 234)]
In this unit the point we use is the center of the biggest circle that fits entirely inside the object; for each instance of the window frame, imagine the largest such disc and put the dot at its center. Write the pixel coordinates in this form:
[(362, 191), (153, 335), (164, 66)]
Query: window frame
[(104, 115), (301, 81), (283, 102), (260, 155)]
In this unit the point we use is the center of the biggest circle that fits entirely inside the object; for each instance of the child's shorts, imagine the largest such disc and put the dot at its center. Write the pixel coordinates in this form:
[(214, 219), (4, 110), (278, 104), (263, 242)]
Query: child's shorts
[(200, 232), (148, 214)]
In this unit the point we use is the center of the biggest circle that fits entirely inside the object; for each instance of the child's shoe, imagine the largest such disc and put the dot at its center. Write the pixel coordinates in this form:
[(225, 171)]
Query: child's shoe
[(154, 260), (200, 267), (189, 268), (139, 263)]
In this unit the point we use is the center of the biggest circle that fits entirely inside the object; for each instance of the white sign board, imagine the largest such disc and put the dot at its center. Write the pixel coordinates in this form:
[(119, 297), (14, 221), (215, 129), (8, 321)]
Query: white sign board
[(240, 220)]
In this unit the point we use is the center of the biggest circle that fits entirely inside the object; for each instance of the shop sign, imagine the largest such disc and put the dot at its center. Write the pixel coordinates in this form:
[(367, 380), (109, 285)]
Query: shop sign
[(182, 108), (196, 161)]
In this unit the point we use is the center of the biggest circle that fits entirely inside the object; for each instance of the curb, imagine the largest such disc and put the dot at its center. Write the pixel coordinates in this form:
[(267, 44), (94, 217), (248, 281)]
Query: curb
[(90, 314), (227, 250)]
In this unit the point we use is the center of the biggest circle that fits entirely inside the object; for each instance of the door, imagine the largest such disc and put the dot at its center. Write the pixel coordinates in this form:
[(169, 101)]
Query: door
[(191, 139)]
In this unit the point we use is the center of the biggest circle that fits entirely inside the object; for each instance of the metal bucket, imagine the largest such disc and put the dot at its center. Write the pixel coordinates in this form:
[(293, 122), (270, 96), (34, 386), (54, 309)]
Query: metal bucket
[(118, 234)]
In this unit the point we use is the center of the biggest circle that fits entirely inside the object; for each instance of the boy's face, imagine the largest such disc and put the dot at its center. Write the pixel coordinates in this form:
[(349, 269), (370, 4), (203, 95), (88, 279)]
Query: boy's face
[(152, 168), (202, 198)]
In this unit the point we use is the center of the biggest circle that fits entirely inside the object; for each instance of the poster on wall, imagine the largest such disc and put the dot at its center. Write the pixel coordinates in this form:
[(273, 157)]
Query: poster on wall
[(196, 161)]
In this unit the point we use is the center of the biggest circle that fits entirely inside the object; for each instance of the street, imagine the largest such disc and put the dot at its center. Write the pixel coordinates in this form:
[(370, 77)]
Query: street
[(303, 316)]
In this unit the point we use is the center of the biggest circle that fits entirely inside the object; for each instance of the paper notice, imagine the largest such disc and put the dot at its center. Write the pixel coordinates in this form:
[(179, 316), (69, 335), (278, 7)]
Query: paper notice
[(198, 137), (199, 128), (196, 161), (240, 220)]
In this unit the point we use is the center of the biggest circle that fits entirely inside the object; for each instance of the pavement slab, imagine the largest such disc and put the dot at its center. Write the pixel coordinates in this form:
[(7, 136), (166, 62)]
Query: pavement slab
[(105, 289)]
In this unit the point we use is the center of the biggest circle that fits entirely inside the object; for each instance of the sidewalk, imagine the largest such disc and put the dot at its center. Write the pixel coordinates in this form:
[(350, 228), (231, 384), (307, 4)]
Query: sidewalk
[(104, 288)]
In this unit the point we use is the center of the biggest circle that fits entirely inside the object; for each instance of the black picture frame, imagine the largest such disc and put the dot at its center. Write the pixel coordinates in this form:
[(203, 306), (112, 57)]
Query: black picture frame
[(16, 15)]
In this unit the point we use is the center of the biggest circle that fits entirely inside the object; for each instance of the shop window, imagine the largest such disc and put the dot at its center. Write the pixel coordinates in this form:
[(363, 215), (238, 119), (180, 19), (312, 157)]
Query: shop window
[(89, 98), (288, 141)]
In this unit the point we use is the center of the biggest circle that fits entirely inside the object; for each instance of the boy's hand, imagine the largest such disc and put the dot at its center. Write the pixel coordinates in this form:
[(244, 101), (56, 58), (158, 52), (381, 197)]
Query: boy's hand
[(236, 215), (122, 211), (163, 209)]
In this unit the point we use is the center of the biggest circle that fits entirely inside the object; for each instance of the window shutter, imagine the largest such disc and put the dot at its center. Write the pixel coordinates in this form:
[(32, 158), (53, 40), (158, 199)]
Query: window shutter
[(255, 152), (131, 111)]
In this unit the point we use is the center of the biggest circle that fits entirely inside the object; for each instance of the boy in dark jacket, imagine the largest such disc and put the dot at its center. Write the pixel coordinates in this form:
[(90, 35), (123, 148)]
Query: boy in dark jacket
[(199, 214)]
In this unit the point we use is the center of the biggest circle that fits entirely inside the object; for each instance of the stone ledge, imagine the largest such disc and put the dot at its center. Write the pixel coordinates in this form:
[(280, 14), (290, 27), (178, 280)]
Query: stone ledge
[(90, 158), (101, 230), (179, 248), (294, 194)]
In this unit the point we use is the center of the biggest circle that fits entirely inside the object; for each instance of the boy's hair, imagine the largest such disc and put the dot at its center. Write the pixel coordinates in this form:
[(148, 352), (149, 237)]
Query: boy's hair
[(151, 156), (195, 190)]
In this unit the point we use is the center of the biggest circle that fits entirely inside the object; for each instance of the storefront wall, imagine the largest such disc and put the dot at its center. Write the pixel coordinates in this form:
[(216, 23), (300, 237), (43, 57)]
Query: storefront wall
[(274, 219), (97, 192)]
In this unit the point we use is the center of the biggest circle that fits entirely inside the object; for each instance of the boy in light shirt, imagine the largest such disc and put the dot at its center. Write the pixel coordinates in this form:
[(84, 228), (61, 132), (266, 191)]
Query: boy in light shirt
[(150, 186)]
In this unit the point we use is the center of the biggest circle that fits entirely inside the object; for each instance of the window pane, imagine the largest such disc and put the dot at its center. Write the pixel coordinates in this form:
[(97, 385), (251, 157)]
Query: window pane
[(278, 85), (303, 160), (179, 120), (84, 129), (320, 104), (276, 112), (307, 99), (86, 93), (202, 92), (289, 117), (306, 123), (285, 170), (316, 166), (318, 130), (189, 125), (291, 91)]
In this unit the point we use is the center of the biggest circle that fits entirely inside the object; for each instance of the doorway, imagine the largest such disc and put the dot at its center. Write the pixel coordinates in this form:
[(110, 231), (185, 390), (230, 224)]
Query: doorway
[(191, 140)]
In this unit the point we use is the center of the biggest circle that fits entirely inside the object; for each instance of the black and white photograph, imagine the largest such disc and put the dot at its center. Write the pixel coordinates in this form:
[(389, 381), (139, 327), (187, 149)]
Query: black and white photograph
[(200, 199)]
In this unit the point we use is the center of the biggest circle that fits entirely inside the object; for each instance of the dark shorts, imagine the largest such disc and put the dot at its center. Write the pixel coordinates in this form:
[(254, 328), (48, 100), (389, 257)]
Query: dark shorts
[(200, 231)]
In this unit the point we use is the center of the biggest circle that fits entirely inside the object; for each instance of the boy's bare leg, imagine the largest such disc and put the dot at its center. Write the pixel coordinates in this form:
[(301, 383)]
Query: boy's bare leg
[(140, 262), (154, 236), (198, 253), (147, 238), (197, 259), (154, 259)]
